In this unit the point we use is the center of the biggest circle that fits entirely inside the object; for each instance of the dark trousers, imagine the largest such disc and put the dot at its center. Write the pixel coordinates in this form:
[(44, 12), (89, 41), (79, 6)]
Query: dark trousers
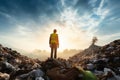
[(53, 52)]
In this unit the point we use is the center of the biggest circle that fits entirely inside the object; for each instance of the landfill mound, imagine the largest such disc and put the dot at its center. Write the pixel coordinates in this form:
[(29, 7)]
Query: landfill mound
[(12, 61), (100, 57), (93, 52), (94, 63), (89, 53)]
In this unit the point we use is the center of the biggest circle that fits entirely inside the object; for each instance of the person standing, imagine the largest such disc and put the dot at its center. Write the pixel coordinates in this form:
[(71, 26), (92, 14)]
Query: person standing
[(54, 43)]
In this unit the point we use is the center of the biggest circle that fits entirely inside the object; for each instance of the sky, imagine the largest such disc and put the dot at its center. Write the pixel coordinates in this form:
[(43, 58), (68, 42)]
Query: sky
[(27, 24)]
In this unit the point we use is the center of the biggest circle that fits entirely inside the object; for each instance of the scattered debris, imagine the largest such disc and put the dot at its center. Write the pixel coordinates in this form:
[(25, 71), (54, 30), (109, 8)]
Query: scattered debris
[(94, 63)]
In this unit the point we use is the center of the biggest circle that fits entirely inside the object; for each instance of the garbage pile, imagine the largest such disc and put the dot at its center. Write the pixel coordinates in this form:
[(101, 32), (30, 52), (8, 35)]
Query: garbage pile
[(89, 53), (102, 61), (13, 63), (95, 63)]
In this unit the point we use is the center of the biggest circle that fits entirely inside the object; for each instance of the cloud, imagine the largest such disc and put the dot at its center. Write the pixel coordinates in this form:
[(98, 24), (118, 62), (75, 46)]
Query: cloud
[(92, 2)]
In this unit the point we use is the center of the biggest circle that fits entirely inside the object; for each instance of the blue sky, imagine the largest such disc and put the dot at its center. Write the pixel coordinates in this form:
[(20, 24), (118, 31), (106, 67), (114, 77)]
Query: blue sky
[(27, 24)]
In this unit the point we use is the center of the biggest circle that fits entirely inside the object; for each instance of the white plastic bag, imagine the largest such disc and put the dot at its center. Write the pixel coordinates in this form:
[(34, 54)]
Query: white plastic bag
[(39, 78)]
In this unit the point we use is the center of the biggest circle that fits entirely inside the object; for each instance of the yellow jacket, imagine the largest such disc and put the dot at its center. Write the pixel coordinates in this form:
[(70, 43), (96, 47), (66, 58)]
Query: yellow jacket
[(54, 39)]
